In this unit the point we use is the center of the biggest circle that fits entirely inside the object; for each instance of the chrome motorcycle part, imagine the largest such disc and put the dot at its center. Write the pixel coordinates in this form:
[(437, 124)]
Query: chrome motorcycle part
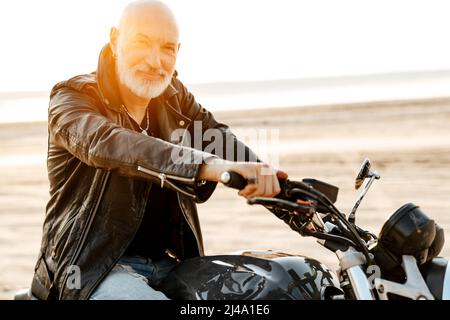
[(364, 173), (414, 288), (350, 262)]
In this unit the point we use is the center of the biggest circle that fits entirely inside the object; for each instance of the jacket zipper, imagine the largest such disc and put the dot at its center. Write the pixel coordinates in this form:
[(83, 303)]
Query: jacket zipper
[(163, 177), (86, 230), (190, 226), (159, 175), (58, 244)]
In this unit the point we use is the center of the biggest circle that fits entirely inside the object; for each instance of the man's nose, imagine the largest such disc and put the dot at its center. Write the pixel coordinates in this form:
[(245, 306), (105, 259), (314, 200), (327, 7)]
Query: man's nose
[(153, 58)]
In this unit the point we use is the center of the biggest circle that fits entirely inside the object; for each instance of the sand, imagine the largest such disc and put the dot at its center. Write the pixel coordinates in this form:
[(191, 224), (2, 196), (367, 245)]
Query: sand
[(408, 142)]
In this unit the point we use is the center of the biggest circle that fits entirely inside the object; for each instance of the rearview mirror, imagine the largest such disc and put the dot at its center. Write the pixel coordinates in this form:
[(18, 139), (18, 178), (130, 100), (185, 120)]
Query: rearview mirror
[(363, 173)]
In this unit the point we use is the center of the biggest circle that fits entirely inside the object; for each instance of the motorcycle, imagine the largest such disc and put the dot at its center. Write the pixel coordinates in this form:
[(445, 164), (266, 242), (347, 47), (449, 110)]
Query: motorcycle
[(401, 263)]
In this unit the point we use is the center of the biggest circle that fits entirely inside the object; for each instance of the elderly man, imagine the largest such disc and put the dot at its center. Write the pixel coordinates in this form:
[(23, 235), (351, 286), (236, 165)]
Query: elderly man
[(122, 208)]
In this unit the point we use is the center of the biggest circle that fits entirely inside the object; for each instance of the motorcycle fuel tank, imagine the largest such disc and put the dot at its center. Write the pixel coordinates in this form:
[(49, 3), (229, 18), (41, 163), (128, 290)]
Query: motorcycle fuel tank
[(251, 275)]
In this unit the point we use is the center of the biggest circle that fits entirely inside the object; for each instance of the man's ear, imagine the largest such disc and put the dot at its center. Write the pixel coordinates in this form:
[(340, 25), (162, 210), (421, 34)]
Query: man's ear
[(113, 37)]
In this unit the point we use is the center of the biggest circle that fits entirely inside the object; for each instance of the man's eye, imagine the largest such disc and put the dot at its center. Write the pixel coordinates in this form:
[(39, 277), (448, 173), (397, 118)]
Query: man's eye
[(140, 42), (169, 49)]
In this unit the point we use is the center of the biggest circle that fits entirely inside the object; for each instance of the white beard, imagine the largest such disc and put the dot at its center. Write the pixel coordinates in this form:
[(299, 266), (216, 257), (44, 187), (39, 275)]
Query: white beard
[(143, 88)]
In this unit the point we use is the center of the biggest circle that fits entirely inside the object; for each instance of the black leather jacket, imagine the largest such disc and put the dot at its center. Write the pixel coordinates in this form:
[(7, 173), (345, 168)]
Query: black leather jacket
[(101, 172)]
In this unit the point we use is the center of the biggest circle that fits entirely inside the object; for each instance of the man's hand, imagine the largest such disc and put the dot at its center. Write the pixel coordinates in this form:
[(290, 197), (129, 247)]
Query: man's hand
[(262, 178)]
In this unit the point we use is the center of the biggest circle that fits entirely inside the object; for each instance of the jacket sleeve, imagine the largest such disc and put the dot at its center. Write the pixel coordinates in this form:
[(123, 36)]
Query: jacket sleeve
[(230, 147), (76, 125)]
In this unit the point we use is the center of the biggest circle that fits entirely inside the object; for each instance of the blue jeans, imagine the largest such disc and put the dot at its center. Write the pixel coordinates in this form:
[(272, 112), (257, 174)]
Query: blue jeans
[(134, 278)]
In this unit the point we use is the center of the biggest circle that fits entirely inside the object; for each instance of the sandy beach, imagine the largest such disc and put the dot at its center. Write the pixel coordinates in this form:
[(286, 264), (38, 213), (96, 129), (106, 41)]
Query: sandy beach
[(407, 141)]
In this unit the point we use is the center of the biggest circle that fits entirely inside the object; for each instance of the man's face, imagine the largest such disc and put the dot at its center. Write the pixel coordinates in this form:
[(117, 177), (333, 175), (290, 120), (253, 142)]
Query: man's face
[(146, 55)]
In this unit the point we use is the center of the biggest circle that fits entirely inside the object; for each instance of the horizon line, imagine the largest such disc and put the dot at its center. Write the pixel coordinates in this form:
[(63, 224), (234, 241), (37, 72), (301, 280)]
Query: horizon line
[(279, 83)]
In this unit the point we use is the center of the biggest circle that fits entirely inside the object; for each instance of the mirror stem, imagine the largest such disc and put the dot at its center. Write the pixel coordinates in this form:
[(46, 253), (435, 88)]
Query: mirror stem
[(373, 175)]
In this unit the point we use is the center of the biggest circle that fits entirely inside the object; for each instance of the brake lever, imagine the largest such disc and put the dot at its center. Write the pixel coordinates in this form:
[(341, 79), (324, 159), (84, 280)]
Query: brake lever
[(280, 203)]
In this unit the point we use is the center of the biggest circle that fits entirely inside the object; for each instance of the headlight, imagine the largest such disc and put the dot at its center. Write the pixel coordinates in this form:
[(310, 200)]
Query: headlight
[(409, 231)]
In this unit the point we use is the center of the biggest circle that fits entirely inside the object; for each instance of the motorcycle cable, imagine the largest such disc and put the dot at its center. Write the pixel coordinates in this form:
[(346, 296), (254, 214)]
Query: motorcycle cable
[(341, 218), (360, 243), (308, 191), (325, 236)]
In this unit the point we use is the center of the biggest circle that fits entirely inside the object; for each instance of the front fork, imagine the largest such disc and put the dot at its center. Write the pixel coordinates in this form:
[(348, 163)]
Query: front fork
[(354, 281), (356, 284)]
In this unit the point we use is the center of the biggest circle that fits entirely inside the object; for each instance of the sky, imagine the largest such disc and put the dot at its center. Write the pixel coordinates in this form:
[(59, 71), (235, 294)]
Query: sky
[(46, 41)]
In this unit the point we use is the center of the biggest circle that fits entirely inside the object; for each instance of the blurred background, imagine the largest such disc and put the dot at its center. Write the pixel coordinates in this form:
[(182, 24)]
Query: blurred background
[(338, 80)]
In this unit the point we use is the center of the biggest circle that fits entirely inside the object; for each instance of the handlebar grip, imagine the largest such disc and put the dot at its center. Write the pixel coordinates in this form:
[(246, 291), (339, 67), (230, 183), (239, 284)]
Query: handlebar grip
[(233, 180)]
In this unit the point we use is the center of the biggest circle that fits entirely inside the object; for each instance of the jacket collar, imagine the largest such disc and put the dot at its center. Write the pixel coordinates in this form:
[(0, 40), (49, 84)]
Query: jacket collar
[(107, 81)]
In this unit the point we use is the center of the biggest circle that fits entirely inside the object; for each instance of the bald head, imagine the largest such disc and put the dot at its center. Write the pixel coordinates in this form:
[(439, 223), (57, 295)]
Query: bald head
[(148, 14)]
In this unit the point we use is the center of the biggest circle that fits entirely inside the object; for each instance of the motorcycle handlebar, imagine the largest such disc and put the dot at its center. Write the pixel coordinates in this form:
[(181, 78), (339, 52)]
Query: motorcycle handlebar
[(289, 189), (233, 180)]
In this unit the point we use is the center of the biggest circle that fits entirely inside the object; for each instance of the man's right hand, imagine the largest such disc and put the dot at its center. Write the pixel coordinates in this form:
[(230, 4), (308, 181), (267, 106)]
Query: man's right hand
[(263, 179)]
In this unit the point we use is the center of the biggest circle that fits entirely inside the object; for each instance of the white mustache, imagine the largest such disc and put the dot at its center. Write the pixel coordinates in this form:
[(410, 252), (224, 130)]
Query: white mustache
[(146, 69)]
